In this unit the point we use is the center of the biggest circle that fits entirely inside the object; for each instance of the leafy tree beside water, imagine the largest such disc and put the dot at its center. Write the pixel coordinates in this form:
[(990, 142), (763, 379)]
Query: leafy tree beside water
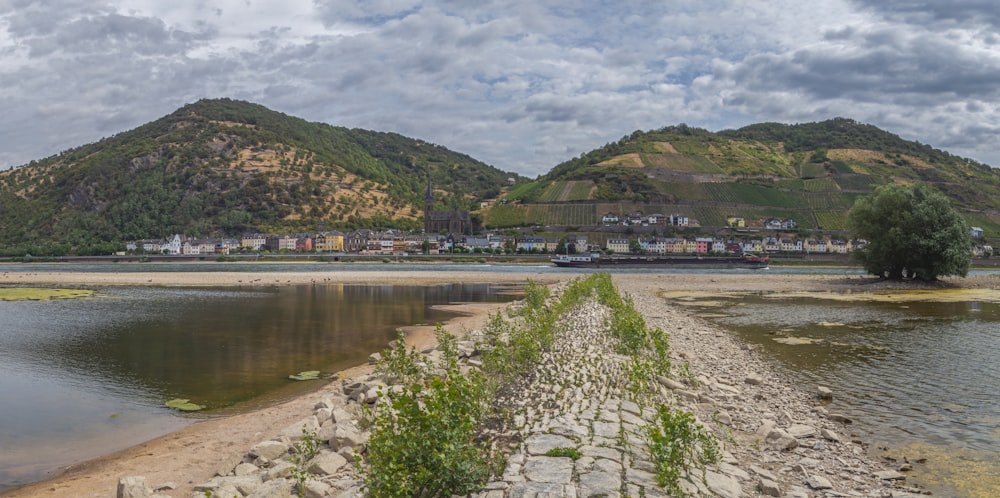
[(912, 231)]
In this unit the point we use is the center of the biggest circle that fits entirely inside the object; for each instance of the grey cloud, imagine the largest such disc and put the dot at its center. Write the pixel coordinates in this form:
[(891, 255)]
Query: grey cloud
[(977, 12)]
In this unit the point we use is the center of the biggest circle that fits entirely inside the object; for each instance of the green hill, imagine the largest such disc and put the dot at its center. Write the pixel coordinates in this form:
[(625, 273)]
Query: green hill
[(808, 172), (221, 167)]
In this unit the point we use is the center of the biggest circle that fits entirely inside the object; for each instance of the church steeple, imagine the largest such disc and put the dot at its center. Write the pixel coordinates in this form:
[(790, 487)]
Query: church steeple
[(429, 196), (428, 204)]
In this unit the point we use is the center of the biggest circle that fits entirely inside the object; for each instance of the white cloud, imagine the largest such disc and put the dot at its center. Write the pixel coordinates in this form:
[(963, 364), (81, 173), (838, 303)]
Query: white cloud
[(520, 84)]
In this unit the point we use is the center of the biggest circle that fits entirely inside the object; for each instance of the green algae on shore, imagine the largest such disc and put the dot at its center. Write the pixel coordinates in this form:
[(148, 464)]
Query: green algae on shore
[(42, 294)]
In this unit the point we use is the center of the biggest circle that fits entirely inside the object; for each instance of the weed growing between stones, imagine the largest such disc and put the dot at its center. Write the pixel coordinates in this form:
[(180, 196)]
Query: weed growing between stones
[(677, 445), (305, 449), (424, 437), (434, 432), (571, 453)]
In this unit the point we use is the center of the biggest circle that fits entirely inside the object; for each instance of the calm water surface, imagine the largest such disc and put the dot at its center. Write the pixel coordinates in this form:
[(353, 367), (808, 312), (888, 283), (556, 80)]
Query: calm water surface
[(85, 377), (920, 378)]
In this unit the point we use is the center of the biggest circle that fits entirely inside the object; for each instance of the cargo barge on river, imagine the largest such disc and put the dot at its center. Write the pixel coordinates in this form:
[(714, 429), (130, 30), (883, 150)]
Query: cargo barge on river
[(596, 260)]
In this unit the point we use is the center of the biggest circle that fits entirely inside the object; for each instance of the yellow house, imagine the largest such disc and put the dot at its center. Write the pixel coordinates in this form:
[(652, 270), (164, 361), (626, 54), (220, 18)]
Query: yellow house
[(329, 242), (736, 222)]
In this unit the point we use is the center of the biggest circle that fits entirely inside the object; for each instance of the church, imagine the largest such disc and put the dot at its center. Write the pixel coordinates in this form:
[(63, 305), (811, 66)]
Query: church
[(452, 222)]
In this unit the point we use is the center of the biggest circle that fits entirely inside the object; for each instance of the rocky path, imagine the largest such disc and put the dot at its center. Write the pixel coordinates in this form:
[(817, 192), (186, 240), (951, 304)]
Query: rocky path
[(580, 429)]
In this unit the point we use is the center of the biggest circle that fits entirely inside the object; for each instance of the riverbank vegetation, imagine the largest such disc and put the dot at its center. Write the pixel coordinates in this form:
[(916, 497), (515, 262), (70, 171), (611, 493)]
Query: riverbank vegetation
[(436, 435)]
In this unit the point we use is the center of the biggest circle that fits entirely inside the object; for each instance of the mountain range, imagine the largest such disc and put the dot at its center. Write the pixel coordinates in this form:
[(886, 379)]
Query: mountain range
[(225, 167)]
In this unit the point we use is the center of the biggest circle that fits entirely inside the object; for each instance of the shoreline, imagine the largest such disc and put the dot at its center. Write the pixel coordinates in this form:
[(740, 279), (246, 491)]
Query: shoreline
[(191, 455)]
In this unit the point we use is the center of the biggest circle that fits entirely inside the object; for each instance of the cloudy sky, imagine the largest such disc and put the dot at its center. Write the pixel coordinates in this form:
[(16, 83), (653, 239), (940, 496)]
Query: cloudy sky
[(520, 84)]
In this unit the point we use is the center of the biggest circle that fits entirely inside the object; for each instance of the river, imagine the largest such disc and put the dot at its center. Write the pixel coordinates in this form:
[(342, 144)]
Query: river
[(80, 378), (916, 371)]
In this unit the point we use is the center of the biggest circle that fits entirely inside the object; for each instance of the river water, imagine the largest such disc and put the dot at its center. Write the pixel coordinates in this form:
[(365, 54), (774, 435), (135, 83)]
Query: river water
[(917, 371), (85, 377), (82, 378)]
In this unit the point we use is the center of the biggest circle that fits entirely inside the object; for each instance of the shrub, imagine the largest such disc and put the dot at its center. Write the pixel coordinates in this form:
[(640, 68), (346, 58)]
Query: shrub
[(677, 445)]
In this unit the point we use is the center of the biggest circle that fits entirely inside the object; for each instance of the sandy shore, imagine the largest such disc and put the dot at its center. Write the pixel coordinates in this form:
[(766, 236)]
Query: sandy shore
[(191, 455)]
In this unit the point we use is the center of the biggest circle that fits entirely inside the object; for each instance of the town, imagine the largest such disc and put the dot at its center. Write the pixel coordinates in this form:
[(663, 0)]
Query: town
[(391, 242)]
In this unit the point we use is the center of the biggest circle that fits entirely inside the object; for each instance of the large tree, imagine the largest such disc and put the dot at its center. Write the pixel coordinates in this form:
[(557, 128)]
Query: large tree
[(912, 231)]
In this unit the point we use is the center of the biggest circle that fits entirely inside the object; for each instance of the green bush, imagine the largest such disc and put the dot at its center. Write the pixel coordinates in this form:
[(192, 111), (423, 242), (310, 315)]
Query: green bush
[(677, 445), (424, 439)]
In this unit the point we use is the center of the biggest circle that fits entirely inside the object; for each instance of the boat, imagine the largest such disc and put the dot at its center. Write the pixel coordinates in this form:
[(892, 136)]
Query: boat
[(596, 260)]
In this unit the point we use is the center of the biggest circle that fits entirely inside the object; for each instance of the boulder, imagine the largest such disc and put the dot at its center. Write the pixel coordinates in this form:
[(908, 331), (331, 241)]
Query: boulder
[(327, 463), (723, 485), (769, 487), (245, 469), (890, 475), (316, 489), (347, 435), (824, 393), (374, 358), (294, 432), (800, 431), (780, 440), (818, 483), (671, 384), (341, 415), (276, 488), (133, 487), (280, 469), (229, 464), (829, 435), (754, 380), (837, 417), (270, 450)]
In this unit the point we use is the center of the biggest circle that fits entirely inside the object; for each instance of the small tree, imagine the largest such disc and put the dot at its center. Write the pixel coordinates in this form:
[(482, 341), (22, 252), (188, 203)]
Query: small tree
[(912, 231)]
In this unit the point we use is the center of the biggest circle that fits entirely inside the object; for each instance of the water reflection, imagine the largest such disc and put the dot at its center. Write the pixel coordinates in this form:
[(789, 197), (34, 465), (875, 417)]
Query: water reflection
[(84, 377)]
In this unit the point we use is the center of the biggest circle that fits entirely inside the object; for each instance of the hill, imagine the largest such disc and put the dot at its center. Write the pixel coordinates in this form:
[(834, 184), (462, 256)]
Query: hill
[(220, 167), (811, 173)]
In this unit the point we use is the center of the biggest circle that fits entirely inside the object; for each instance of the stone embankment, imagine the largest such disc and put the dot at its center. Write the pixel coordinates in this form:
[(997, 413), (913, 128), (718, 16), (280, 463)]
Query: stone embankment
[(776, 439)]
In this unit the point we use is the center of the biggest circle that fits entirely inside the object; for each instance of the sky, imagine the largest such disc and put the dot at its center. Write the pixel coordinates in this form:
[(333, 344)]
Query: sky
[(522, 85)]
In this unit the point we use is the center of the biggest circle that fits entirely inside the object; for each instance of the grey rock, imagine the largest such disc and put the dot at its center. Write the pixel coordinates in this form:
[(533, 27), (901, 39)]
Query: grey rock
[(316, 489), (133, 487), (277, 488), (549, 469), (327, 463), (229, 464), (671, 384), (535, 489), (341, 416), (766, 474), (778, 439), (347, 435), (279, 470), (270, 450), (374, 358), (818, 482), (294, 431), (754, 379), (837, 417), (245, 469), (890, 475), (824, 393), (769, 487), (829, 435), (800, 431), (540, 444), (600, 483), (723, 485)]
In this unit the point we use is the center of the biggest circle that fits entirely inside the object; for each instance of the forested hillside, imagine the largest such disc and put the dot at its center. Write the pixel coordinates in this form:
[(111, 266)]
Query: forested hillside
[(811, 173), (222, 167)]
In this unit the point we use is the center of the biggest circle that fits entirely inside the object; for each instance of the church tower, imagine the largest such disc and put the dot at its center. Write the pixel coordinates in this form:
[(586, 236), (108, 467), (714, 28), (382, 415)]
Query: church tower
[(428, 205)]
